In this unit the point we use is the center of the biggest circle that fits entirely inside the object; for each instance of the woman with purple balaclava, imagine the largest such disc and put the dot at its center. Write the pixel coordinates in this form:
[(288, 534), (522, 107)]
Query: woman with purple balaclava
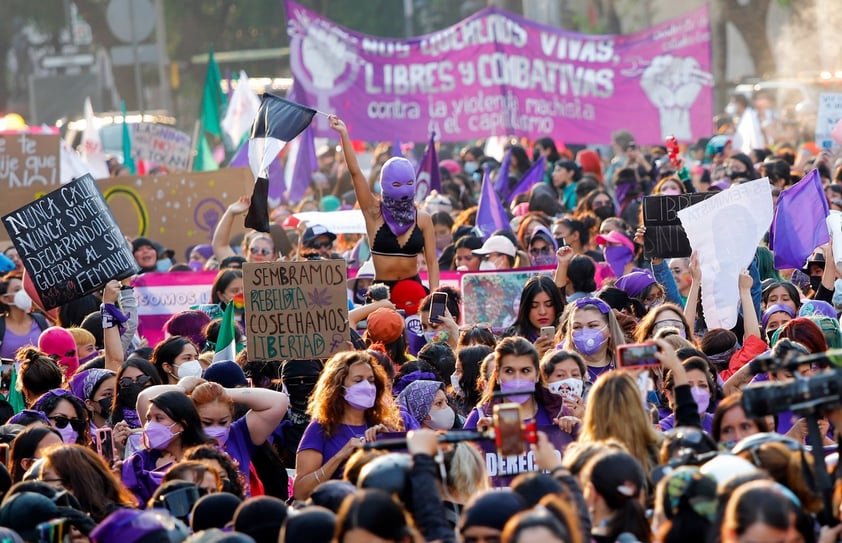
[(397, 230)]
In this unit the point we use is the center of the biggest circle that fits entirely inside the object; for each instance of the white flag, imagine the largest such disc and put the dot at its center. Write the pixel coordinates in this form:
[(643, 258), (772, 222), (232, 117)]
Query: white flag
[(241, 110), (92, 151)]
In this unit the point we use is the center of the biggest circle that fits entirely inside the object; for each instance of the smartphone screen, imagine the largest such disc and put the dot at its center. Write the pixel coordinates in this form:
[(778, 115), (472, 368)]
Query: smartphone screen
[(104, 444), (438, 306), (508, 431), (637, 355), (548, 331)]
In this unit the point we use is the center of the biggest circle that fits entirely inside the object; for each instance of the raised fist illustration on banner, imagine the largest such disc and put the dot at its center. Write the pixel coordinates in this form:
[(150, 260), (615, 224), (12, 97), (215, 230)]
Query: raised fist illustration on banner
[(672, 84)]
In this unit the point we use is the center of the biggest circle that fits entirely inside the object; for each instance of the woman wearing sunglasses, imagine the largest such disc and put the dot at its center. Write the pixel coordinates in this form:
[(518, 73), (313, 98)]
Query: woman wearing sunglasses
[(66, 414), (134, 376), (256, 247)]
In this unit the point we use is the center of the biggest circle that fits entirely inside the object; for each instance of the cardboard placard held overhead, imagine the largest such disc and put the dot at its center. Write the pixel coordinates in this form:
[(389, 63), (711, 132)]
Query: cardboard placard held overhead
[(69, 242), (296, 310), (162, 145), (665, 237), (29, 163)]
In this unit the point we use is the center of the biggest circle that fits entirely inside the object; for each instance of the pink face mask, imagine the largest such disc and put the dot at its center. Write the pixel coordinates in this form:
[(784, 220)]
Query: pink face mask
[(58, 344)]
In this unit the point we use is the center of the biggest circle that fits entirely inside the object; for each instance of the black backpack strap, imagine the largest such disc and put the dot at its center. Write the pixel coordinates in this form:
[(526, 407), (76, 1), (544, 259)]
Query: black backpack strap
[(41, 320)]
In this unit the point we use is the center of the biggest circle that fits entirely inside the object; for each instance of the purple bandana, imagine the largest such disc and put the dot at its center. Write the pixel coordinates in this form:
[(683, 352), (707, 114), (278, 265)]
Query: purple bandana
[(397, 185)]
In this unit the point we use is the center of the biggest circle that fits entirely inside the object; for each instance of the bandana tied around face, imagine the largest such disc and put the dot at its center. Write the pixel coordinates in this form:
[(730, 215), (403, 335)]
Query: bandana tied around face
[(397, 181)]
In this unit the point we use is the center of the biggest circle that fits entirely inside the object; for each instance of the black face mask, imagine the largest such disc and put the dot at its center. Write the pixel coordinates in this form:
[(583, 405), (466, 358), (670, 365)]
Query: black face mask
[(604, 212), (815, 282), (229, 487), (128, 395), (105, 407)]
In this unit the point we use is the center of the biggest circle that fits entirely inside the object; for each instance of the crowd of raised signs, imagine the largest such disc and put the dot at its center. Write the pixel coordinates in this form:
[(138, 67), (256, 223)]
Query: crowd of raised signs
[(109, 439)]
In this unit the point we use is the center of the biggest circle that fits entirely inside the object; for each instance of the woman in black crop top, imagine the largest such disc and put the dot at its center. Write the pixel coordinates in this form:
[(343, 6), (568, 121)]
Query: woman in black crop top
[(398, 231)]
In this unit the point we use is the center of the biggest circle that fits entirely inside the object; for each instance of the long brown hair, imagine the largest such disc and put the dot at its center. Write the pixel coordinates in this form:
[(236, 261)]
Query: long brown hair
[(86, 475), (510, 346), (327, 402)]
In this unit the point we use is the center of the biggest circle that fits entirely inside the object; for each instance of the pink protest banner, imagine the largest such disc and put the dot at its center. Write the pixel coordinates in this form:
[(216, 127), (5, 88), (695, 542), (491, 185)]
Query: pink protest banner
[(161, 295), (496, 73)]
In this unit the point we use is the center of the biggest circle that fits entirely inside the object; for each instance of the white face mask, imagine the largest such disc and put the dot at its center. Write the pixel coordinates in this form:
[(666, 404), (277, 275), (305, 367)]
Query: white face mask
[(191, 368), (567, 386), (441, 419), (22, 301), (487, 265)]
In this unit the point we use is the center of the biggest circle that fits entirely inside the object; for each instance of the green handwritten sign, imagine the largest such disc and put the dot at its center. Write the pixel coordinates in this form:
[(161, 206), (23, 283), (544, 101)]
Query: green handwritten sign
[(296, 310)]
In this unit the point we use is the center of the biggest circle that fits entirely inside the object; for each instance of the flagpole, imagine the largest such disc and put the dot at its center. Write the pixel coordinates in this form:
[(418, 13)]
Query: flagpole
[(194, 150)]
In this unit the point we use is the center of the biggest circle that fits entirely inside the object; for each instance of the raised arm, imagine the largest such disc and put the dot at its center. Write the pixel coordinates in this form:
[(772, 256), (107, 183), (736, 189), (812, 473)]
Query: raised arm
[(128, 305), (364, 196), (693, 295), (750, 325), (110, 329), (564, 255), (426, 224), (222, 233), (266, 410)]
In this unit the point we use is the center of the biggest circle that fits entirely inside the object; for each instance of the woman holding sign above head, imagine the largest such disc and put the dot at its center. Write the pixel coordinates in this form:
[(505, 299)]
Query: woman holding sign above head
[(398, 232)]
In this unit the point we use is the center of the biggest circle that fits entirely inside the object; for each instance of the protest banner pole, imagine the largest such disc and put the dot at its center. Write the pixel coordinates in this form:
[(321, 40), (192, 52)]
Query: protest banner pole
[(193, 146)]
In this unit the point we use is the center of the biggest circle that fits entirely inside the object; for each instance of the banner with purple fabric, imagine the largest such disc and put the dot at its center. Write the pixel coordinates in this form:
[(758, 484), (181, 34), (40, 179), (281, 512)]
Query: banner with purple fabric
[(428, 176), (497, 73), (533, 176), (799, 226), (491, 216)]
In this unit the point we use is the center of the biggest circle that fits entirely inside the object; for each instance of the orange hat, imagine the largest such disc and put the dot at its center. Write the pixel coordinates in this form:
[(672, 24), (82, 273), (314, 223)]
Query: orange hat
[(407, 295), (384, 325)]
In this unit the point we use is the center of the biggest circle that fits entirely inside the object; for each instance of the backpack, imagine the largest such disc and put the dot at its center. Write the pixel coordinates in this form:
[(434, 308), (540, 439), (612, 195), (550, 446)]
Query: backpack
[(39, 318)]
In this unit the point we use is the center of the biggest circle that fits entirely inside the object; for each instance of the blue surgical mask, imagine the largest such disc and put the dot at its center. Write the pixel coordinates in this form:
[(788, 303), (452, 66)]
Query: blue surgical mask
[(163, 265), (471, 166)]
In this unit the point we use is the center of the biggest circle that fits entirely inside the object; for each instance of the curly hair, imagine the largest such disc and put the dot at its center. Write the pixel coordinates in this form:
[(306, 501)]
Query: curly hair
[(327, 403), (232, 475)]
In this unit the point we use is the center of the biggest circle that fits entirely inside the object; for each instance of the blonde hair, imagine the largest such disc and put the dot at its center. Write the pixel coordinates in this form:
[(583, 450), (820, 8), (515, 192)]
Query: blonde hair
[(616, 393), (81, 336), (466, 473)]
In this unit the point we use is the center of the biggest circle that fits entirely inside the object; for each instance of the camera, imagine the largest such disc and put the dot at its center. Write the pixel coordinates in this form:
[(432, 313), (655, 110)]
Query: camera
[(802, 395)]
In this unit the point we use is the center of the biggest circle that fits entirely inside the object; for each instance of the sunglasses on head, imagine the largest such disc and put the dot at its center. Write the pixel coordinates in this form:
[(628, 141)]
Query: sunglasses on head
[(60, 421), (142, 380), (260, 251), (320, 244)]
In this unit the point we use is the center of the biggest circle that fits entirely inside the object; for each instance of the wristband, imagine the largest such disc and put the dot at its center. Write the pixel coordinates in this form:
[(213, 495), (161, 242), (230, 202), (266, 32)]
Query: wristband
[(127, 287)]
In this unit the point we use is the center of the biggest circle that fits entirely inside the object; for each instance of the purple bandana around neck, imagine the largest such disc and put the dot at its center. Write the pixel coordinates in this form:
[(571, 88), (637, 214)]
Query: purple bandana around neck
[(398, 202)]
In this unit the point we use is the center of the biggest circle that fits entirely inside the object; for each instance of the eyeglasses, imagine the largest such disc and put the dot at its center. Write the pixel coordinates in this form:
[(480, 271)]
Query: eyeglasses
[(60, 421), (320, 244), (141, 380), (263, 251), (669, 322)]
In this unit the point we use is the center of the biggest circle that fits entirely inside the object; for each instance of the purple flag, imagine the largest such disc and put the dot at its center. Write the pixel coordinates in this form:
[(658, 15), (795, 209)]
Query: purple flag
[(502, 183), (490, 213), (798, 226), (305, 163), (428, 176), (533, 176)]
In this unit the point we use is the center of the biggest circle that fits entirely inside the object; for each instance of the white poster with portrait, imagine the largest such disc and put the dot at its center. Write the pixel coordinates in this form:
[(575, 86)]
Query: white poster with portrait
[(724, 231)]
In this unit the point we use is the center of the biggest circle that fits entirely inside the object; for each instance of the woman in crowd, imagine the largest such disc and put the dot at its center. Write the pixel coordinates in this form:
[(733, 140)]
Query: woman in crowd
[(135, 375), (426, 402), (22, 326), (614, 485), (67, 414), (540, 306), (95, 387), (703, 388), (730, 423), (230, 478), (593, 332), (38, 374), (256, 247), (172, 426), (239, 437), (399, 232), (465, 377), (176, 358), (227, 284), (29, 446), (664, 316), (88, 477), (562, 373), (349, 406), (781, 292), (758, 511)]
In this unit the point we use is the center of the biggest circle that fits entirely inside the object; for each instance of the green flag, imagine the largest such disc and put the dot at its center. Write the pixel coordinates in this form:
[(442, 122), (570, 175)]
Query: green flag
[(226, 349), (213, 99), (204, 161), (128, 161)]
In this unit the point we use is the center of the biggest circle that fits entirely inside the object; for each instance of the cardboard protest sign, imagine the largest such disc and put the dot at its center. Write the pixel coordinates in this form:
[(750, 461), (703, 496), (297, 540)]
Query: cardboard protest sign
[(724, 230), (162, 145), (69, 242), (665, 237), (296, 309), (29, 164), (829, 114), (493, 297), (162, 295)]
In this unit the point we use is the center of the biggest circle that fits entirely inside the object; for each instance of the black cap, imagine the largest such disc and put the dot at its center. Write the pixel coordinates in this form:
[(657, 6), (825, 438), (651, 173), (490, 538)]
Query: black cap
[(315, 231)]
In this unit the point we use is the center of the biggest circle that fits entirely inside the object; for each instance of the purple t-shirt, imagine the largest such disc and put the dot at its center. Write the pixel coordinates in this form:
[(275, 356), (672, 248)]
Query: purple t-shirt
[(314, 438), (239, 446), (11, 342), (668, 422)]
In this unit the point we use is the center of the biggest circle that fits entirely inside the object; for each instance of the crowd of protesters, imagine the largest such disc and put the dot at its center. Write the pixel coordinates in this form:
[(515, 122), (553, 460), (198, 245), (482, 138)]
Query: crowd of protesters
[(110, 439)]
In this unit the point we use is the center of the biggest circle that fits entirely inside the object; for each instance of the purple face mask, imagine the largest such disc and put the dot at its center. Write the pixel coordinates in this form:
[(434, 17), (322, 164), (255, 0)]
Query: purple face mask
[(518, 385), (361, 395), (397, 182), (68, 434), (219, 433), (588, 341), (617, 257)]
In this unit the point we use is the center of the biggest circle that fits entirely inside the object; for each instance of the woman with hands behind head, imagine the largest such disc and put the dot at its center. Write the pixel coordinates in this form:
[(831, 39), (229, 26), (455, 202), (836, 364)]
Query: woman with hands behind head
[(397, 230)]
